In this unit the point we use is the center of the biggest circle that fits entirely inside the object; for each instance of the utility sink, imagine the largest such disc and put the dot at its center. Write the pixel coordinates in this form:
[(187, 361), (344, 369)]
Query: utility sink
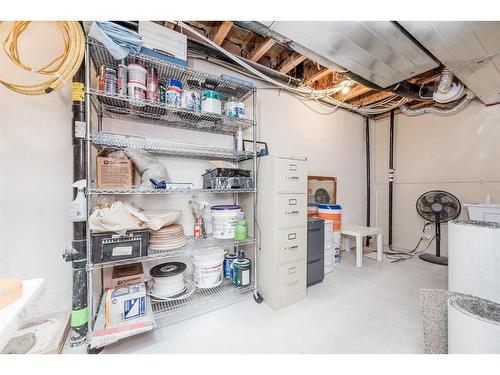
[(484, 211)]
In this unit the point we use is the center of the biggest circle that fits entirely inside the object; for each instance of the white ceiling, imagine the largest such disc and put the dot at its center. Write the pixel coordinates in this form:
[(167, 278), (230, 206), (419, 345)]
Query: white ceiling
[(376, 50), (470, 49)]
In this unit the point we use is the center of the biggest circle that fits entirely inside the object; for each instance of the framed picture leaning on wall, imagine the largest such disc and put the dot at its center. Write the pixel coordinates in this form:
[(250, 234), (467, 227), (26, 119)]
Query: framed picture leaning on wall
[(321, 189)]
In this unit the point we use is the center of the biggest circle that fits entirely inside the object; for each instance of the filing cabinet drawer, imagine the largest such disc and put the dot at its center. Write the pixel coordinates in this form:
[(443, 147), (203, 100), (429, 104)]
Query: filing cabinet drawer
[(291, 210), (291, 175), (291, 281), (291, 245)]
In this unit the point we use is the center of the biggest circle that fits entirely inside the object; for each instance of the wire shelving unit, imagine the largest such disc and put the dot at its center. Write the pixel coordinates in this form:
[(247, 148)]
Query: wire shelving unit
[(110, 106)]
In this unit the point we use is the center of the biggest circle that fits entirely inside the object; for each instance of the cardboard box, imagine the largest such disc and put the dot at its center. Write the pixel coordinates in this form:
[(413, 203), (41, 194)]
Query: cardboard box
[(127, 274), (125, 304), (162, 43), (114, 172)]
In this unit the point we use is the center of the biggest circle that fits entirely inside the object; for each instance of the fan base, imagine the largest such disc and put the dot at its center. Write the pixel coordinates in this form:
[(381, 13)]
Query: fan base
[(434, 259)]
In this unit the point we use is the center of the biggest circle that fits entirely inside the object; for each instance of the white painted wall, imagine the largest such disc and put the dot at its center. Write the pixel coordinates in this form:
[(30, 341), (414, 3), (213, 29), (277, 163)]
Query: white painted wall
[(459, 154), (36, 172)]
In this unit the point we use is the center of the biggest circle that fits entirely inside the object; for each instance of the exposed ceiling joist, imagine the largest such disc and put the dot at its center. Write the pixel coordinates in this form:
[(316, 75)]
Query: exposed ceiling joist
[(317, 76), (291, 62), (221, 33), (261, 49)]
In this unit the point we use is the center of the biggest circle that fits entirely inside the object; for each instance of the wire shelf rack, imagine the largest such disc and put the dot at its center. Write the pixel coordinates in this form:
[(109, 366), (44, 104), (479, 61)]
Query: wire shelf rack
[(191, 244), (193, 79), (120, 107), (174, 149), (201, 302), (149, 191)]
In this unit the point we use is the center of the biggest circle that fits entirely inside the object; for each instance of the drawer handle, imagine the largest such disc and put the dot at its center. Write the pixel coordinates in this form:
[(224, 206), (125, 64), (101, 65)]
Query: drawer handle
[(292, 202), (292, 167), (292, 177), (292, 270), (292, 236), (292, 282), (292, 212), (292, 247)]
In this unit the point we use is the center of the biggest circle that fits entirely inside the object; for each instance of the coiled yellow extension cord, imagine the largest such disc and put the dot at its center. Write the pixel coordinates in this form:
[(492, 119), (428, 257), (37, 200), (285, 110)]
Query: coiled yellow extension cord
[(61, 69)]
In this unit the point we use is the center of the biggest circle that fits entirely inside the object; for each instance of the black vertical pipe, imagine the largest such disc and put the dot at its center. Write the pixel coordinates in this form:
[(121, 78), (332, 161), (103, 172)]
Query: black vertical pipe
[(391, 174), (438, 237), (367, 143), (79, 313)]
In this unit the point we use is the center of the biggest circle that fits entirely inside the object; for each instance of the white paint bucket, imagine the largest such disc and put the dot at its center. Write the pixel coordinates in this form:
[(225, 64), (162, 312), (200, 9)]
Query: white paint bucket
[(208, 267), (136, 73), (223, 220)]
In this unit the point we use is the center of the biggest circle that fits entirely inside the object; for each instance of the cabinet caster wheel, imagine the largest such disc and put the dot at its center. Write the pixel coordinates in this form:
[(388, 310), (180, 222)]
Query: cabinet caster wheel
[(94, 350), (257, 296)]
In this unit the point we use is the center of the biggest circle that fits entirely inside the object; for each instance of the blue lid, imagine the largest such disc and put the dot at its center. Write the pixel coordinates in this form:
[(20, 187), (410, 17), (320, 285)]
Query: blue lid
[(174, 82), (224, 207), (330, 206)]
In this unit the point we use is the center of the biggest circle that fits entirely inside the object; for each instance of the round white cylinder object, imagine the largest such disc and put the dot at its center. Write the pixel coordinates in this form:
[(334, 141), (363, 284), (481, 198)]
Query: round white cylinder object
[(473, 325), (474, 259)]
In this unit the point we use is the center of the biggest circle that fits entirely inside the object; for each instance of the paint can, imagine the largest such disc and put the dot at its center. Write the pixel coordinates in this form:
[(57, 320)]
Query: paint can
[(223, 220), (241, 271), (122, 79), (208, 267), (107, 80), (331, 212), (228, 265), (191, 100), (152, 84), (211, 102), (137, 93), (136, 73)]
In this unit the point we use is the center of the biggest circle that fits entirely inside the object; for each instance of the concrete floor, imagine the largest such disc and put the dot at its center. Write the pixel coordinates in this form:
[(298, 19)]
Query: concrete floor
[(370, 310)]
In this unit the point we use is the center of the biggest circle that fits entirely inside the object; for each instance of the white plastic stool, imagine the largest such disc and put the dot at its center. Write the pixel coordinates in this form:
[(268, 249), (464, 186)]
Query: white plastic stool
[(359, 232)]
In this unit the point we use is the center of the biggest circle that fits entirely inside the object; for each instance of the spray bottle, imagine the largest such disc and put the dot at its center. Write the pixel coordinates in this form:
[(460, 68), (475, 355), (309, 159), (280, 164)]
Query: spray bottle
[(78, 210)]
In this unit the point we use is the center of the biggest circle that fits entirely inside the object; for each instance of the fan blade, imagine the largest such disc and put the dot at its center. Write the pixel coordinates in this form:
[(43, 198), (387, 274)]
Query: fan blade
[(427, 212), (425, 202), (450, 204), (438, 197)]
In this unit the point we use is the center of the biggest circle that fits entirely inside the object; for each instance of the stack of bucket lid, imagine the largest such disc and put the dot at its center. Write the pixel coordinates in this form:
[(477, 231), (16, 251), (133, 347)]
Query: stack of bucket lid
[(332, 214)]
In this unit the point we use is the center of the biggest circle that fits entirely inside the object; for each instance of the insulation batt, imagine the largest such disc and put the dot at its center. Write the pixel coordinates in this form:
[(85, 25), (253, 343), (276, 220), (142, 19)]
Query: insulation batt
[(147, 165)]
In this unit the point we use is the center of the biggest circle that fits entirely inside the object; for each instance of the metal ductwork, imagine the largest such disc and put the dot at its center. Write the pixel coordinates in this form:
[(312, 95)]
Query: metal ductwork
[(459, 106), (211, 52), (403, 89), (447, 90)]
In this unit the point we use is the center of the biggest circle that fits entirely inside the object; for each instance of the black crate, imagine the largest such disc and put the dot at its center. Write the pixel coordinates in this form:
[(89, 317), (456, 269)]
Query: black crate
[(110, 246)]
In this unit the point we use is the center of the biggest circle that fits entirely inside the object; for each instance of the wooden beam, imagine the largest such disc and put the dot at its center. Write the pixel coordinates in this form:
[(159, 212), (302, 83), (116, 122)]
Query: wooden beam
[(221, 33), (261, 49), (291, 62), (317, 76)]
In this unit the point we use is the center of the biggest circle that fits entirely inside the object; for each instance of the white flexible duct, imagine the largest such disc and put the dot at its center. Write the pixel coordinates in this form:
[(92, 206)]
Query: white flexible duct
[(445, 81), (464, 102), (448, 91), (304, 91)]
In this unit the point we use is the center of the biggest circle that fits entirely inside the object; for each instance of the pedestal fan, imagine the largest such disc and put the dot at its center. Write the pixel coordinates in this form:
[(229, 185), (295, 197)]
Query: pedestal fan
[(439, 207)]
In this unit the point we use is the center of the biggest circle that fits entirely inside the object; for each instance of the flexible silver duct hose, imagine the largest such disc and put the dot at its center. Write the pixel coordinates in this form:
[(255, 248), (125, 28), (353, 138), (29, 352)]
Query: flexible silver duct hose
[(445, 81), (464, 102)]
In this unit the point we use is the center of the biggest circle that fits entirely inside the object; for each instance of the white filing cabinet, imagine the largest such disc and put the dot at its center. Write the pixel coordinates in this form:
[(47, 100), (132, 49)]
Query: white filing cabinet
[(282, 218)]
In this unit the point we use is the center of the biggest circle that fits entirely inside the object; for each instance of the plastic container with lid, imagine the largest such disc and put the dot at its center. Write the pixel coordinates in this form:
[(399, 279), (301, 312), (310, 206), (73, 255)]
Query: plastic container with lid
[(208, 268), (331, 212), (136, 73), (224, 218), (211, 102)]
